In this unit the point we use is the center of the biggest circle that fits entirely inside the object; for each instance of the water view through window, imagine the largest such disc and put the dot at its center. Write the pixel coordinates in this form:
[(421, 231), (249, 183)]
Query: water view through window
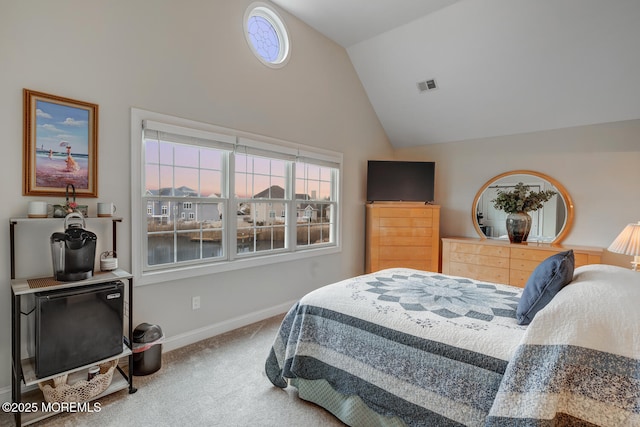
[(187, 203)]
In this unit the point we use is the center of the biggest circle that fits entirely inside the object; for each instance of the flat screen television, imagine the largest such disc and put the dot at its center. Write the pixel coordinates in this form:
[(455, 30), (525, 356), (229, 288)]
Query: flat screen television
[(389, 180)]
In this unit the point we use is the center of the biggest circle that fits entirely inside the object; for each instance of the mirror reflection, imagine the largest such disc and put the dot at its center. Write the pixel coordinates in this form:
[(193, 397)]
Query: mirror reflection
[(549, 224)]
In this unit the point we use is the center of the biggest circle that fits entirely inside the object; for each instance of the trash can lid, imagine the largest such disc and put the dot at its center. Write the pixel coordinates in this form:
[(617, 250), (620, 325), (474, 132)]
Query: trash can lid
[(146, 332)]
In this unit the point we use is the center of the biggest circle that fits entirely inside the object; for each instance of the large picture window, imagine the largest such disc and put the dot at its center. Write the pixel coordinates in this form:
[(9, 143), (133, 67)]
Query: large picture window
[(209, 199)]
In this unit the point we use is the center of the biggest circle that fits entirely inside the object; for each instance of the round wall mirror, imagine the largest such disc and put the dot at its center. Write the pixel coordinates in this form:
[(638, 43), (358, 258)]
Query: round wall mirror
[(550, 224)]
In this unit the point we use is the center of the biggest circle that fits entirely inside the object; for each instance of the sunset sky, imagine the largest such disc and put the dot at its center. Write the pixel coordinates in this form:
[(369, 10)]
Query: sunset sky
[(201, 167)]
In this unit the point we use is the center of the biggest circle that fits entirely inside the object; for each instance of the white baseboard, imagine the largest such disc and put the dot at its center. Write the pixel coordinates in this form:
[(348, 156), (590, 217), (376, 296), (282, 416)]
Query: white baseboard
[(200, 334)]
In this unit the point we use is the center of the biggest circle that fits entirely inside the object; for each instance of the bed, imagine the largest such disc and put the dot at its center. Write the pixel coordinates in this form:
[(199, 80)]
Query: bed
[(403, 347)]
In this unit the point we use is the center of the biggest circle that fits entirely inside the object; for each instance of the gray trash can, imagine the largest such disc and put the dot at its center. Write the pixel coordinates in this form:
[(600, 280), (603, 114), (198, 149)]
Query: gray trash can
[(147, 349)]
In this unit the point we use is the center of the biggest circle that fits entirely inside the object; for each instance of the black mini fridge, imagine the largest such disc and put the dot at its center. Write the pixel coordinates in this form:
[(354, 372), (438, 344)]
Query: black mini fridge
[(77, 326)]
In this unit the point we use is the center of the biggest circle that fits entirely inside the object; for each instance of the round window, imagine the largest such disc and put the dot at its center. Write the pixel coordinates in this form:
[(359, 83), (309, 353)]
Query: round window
[(266, 35)]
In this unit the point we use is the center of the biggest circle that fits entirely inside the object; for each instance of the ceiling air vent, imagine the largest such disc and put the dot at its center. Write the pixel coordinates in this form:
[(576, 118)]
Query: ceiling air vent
[(427, 85)]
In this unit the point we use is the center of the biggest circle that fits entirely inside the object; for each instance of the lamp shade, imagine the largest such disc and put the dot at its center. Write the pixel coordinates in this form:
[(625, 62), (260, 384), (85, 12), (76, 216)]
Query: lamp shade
[(628, 241)]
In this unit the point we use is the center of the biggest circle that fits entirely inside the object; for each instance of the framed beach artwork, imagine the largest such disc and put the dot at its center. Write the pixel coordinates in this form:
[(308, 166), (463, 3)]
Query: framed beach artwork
[(60, 145)]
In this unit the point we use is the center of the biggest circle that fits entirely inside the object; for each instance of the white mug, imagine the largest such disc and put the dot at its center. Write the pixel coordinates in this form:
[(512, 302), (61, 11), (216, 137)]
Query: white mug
[(37, 209), (106, 209)]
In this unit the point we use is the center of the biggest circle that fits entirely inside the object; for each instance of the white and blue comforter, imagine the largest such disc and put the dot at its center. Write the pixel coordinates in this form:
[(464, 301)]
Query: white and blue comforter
[(438, 350)]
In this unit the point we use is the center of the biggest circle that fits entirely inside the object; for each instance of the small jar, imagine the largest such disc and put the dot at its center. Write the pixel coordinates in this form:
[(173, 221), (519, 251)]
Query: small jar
[(93, 371)]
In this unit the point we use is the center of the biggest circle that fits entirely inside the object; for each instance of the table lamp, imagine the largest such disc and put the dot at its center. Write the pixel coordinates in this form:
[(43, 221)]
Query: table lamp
[(628, 243)]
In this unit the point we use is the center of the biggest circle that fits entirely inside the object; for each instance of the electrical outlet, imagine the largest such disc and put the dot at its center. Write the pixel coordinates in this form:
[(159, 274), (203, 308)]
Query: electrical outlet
[(195, 303)]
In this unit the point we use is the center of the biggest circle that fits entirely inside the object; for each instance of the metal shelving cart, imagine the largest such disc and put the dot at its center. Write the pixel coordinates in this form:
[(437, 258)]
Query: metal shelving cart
[(23, 373)]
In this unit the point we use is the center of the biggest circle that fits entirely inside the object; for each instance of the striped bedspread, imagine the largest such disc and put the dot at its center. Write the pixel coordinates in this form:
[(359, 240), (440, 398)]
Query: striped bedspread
[(438, 350), (428, 348), (579, 360)]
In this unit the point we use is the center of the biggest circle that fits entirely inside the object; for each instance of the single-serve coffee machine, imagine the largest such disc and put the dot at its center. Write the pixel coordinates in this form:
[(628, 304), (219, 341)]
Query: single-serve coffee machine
[(73, 252)]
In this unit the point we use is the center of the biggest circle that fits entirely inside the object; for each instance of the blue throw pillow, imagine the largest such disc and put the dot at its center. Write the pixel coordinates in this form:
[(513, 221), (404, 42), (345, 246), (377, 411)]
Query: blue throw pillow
[(553, 274)]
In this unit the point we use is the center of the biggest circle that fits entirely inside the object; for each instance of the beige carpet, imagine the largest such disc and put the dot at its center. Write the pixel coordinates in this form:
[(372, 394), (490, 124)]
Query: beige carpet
[(216, 382)]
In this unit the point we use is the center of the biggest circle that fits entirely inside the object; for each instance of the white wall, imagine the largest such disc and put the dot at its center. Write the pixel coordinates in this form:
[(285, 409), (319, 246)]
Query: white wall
[(598, 165), (188, 59)]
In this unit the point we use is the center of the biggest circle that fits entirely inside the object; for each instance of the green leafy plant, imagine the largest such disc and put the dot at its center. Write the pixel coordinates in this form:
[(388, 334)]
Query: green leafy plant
[(521, 199)]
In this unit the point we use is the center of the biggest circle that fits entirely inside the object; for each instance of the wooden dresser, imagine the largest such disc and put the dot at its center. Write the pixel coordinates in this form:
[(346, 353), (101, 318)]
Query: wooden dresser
[(502, 262), (402, 234)]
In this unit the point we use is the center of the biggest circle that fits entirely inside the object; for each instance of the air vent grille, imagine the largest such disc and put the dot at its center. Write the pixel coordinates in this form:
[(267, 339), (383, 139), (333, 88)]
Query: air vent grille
[(427, 85)]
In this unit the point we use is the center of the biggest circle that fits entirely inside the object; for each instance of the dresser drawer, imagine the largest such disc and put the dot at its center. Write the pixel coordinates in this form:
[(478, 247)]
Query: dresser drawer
[(584, 259), (407, 232), (488, 250), (406, 222), (528, 260), (395, 241), (487, 260), (479, 272), (404, 252), (524, 264), (424, 264), (404, 213), (519, 278), (531, 254)]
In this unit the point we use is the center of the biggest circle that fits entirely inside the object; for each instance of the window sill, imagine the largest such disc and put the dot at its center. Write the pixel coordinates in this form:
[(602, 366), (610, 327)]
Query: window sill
[(171, 274)]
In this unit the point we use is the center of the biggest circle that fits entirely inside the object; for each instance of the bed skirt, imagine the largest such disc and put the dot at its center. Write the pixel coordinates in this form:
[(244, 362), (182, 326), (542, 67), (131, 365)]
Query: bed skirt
[(351, 410)]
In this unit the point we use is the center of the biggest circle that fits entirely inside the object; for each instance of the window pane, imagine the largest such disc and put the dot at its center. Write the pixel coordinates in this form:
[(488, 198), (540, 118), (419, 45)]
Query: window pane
[(241, 185), (314, 182), (260, 239), (313, 172), (264, 38), (262, 178), (186, 220), (186, 156), (193, 232), (325, 191), (301, 190), (280, 183), (188, 246), (210, 183), (186, 182), (278, 168), (152, 153), (210, 213), (166, 181), (166, 153), (261, 166), (313, 223), (159, 216), (261, 227), (160, 249), (210, 159), (212, 244), (152, 179), (242, 163)]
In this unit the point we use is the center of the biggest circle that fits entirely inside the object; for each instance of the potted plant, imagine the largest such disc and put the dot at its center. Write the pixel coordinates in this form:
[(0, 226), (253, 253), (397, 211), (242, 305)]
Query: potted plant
[(517, 203)]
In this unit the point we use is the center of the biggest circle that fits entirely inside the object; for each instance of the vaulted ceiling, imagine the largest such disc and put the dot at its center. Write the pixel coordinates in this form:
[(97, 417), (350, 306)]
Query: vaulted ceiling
[(501, 67)]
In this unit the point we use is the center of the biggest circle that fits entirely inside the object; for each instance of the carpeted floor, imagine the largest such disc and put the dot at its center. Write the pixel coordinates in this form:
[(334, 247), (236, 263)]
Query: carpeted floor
[(216, 382)]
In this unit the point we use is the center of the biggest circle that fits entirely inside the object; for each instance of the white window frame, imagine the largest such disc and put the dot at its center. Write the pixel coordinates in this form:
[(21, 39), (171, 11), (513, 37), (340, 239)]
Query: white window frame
[(233, 262)]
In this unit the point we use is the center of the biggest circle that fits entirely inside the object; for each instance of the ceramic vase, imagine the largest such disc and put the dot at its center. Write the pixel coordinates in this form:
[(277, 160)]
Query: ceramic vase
[(518, 226)]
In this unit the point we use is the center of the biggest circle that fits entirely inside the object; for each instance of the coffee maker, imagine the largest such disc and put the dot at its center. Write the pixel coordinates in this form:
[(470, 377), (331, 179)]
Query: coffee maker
[(73, 252)]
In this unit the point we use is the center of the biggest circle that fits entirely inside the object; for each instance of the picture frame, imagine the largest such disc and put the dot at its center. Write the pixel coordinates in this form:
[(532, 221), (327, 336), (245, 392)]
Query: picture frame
[(60, 145)]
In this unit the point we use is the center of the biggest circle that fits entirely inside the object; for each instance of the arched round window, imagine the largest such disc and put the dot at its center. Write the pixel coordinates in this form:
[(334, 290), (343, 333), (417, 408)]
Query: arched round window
[(266, 34)]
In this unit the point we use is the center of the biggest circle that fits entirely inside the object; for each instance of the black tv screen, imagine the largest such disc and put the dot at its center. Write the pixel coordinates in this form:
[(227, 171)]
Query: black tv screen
[(389, 180)]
